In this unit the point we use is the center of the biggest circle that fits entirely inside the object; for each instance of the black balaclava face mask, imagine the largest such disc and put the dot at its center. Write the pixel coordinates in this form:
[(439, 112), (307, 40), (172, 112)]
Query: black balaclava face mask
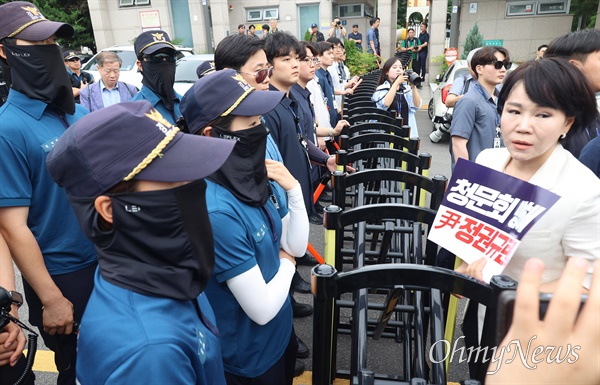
[(161, 242), (160, 77), (245, 173), (38, 71)]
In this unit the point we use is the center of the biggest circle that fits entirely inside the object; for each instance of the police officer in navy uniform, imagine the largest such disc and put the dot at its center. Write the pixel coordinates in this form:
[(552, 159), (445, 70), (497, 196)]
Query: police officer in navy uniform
[(156, 60), (79, 79), (135, 184), (45, 240)]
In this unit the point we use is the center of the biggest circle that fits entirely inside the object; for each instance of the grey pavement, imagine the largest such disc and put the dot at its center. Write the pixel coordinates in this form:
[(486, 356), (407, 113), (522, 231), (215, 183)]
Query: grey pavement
[(384, 357)]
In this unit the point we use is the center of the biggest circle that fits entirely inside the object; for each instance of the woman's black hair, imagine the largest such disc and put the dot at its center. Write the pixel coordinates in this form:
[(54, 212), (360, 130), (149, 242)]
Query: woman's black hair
[(386, 68), (554, 83)]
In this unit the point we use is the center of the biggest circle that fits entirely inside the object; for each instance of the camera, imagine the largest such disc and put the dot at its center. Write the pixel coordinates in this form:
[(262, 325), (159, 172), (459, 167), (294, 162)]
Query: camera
[(7, 299), (442, 126), (338, 23), (413, 77)]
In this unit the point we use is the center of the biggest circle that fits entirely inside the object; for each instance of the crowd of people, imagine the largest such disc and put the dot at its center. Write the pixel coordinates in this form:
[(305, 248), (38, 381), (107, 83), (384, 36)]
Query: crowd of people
[(156, 231)]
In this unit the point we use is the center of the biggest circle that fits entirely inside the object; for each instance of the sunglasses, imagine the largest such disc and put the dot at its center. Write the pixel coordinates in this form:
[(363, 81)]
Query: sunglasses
[(261, 75), (159, 58), (311, 60), (499, 64), (73, 59)]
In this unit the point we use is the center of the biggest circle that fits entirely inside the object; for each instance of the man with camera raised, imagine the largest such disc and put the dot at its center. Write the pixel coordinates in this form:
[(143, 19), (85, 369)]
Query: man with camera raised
[(337, 29)]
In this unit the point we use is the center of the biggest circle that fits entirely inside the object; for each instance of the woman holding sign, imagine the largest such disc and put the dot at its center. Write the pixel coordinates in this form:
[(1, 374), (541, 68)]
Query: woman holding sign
[(541, 104)]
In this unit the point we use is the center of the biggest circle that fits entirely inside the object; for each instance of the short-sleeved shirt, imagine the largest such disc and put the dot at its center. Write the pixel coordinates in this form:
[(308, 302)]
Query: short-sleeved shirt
[(379, 95), (356, 36), (410, 43), (303, 95), (424, 38), (476, 119), (245, 236), (372, 37), (149, 95), (279, 194), (29, 130), (146, 338), (77, 79)]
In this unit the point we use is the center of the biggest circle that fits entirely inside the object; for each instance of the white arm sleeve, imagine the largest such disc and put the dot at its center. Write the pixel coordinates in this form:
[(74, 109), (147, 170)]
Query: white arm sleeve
[(262, 301), (294, 225)]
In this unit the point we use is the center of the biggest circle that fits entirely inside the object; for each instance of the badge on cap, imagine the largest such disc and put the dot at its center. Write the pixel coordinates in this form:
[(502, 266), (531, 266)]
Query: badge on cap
[(33, 12), (158, 36), (162, 124)]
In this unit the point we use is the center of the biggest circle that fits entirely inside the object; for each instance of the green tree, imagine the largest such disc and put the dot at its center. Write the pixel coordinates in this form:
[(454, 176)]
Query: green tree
[(358, 62), (474, 40), (74, 12), (584, 14), (401, 21)]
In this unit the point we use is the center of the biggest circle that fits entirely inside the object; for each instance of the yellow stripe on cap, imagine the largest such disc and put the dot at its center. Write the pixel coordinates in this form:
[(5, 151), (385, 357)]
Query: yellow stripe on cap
[(240, 99), (156, 42), (153, 154), (25, 26)]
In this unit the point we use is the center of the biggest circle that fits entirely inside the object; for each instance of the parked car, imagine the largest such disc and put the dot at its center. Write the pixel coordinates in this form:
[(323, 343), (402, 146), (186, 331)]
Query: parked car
[(439, 114), (129, 70), (185, 72), (84, 57)]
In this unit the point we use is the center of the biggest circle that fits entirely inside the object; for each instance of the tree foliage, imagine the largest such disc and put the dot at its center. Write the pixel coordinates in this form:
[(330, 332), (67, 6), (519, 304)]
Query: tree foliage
[(74, 12), (584, 14), (474, 40), (358, 62)]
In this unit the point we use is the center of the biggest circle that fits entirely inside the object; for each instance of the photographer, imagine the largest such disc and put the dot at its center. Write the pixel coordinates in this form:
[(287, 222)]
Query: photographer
[(12, 339), (337, 30), (410, 45), (393, 93)]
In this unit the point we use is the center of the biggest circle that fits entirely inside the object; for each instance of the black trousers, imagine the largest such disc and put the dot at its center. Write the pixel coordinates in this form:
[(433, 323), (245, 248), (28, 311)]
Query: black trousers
[(10, 374), (281, 373), (76, 287)]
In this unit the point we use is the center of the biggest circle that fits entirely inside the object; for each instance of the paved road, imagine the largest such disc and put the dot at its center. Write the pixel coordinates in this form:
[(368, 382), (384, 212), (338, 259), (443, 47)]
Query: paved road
[(384, 358)]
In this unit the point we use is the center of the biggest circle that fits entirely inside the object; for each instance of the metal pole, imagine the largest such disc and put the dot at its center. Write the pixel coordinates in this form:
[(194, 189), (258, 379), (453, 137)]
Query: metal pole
[(207, 29), (454, 20)]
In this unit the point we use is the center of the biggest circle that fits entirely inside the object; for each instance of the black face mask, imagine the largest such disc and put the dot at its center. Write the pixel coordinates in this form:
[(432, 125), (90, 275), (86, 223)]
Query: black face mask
[(38, 71), (160, 77), (160, 244), (245, 173)]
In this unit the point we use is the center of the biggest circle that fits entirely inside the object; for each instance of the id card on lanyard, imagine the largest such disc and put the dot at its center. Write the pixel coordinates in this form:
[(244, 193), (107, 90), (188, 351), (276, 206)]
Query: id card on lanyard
[(300, 133)]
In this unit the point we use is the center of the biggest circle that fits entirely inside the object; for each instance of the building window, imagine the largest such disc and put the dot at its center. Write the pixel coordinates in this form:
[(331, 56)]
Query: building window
[(537, 7), (350, 10), (254, 15), (132, 3), (272, 13), (519, 8), (259, 14), (549, 7)]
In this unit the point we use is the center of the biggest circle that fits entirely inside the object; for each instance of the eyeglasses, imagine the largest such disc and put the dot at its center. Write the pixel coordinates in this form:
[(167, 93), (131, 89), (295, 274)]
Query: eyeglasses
[(499, 64), (159, 58), (261, 75), (73, 59), (311, 60)]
